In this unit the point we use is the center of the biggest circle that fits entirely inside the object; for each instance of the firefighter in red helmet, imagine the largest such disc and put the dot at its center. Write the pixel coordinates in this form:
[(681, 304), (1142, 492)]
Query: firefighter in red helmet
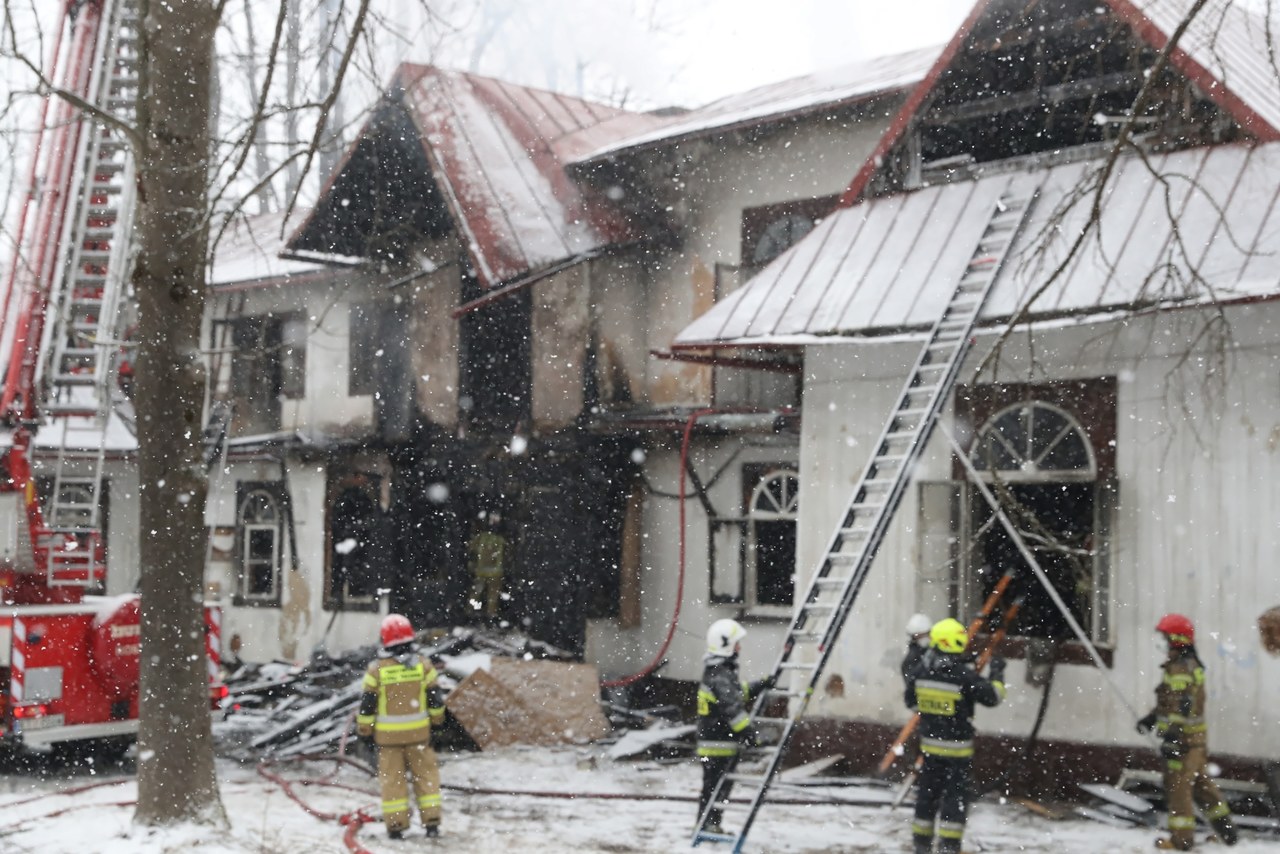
[(1178, 719), (400, 703)]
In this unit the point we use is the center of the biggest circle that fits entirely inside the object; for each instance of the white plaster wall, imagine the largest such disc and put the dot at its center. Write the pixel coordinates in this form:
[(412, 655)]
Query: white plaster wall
[(621, 653), (294, 629), (1198, 464), (712, 182)]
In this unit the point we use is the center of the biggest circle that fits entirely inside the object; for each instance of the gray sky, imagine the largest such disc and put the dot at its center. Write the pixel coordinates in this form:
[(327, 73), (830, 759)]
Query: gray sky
[(704, 49), (737, 44)]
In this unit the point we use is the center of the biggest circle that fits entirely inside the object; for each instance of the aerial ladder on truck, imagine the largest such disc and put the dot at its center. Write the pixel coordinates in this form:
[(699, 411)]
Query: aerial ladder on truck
[(824, 606), (62, 306), (69, 661)]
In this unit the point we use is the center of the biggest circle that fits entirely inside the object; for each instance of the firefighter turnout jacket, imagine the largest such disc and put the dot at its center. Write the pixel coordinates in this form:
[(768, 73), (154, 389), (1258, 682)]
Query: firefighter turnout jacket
[(723, 722), (1180, 700), (401, 699), (943, 689)]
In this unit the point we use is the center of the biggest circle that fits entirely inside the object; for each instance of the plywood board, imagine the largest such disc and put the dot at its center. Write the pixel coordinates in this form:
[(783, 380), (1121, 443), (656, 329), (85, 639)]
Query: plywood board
[(564, 697), (491, 713)]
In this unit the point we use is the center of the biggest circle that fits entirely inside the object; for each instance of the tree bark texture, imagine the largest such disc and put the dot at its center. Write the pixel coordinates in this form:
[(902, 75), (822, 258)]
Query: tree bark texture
[(176, 779)]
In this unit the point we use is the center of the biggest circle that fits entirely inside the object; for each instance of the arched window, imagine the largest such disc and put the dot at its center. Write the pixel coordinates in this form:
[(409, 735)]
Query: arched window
[(259, 530), (1048, 480), (1034, 441), (771, 538)]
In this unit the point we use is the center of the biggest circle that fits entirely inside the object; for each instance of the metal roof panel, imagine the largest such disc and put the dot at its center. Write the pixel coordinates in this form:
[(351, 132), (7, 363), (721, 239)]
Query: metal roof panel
[(1188, 226)]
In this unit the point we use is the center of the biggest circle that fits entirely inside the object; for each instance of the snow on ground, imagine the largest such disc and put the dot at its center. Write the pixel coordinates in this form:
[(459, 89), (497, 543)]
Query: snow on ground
[(519, 799)]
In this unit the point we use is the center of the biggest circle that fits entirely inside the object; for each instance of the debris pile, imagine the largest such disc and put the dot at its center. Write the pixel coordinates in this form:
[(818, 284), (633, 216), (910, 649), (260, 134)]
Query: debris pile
[(1137, 800), (500, 689)]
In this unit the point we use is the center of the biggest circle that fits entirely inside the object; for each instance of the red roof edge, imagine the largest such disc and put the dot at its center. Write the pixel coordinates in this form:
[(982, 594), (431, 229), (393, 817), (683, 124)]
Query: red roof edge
[(1214, 88), (908, 111)]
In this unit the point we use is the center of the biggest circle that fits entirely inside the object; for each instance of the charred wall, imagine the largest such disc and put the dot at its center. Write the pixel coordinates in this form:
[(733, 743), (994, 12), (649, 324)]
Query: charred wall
[(561, 504)]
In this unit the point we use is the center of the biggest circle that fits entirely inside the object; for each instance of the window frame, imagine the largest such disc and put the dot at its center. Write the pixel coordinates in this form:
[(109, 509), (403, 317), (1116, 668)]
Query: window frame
[(245, 491), (1089, 406), (368, 486), (756, 479)]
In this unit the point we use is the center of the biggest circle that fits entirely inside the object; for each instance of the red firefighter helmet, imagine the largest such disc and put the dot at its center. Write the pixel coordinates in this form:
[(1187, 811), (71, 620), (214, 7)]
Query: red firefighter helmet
[(396, 629), (1178, 629)]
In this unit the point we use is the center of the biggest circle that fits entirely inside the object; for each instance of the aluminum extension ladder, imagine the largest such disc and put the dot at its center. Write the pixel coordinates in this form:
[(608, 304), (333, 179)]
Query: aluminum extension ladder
[(82, 340), (835, 585)]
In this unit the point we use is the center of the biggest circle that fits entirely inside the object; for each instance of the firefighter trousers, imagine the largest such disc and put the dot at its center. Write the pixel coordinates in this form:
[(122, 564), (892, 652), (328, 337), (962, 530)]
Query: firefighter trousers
[(713, 768), (943, 795), (485, 591), (419, 760), (1185, 785)]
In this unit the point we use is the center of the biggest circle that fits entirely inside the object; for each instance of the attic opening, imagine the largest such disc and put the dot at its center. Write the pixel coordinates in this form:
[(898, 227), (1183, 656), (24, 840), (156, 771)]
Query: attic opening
[(383, 201), (1038, 79)]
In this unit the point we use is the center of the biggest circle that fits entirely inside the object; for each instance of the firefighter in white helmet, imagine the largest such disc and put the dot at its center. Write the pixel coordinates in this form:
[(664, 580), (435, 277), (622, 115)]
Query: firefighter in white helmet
[(724, 724), (918, 627), (400, 703)]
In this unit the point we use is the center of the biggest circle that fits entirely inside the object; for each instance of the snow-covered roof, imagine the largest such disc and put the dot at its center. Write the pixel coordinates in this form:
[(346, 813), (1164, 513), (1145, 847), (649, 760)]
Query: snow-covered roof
[(1227, 50), (249, 252), (823, 90), (493, 151), (1211, 231)]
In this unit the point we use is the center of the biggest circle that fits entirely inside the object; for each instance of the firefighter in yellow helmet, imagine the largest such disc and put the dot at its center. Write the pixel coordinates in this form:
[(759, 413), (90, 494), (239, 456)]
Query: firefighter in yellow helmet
[(943, 688), (1179, 720), (399, 704)]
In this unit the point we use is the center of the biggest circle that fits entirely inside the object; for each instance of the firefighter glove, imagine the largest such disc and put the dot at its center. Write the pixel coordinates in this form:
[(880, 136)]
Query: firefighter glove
[(997, 670), (761, 685), (1147, 723), (1172, 749)]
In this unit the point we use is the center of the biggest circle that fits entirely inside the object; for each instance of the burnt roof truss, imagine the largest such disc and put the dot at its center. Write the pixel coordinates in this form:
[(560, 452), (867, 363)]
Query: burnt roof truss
[(1038, 79)]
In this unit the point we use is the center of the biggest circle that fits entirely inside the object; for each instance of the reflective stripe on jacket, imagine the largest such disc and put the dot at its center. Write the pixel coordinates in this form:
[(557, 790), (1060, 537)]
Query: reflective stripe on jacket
[(1180, 699), (723, 722), (943, 689), (400, 701)]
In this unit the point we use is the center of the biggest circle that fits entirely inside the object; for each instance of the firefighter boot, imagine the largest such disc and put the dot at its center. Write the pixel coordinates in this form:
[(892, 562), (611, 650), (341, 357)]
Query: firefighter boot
[(1225, 829), (433, 831), (1167, 843)]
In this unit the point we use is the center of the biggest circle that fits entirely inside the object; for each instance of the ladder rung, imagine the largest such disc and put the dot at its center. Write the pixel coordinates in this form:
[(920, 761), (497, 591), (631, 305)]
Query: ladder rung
[(797, 665), (830, 581)]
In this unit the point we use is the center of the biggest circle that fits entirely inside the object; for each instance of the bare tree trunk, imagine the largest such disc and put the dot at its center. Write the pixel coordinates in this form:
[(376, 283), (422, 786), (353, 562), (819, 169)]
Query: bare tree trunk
[(176, 779)]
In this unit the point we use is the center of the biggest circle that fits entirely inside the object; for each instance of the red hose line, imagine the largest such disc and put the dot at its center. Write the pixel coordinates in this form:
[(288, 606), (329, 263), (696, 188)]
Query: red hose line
[(675, 616)]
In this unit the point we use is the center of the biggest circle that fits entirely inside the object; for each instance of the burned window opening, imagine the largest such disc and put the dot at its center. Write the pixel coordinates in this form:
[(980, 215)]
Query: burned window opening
[(268, 364), (1044, 470), (356, 548), (494, 361)]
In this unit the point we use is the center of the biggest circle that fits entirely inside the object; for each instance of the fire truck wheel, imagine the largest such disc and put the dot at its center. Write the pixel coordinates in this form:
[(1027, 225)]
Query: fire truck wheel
[(114, 650)]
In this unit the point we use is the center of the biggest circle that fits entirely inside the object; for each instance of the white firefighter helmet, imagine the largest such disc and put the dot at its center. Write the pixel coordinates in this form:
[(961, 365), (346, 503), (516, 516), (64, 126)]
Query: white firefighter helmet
[(919, 624), (724, 636)]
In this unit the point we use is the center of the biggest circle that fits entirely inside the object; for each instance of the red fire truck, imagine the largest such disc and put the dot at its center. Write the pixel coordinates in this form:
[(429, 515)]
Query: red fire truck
[(69, 660)]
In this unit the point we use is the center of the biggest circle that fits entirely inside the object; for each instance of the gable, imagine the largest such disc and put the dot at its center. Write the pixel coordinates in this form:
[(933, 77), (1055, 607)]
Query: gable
[(1056, 80), (381, 201)]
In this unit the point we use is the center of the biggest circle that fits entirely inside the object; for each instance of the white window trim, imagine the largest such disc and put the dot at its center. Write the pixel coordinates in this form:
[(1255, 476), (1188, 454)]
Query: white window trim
[(755, 513)]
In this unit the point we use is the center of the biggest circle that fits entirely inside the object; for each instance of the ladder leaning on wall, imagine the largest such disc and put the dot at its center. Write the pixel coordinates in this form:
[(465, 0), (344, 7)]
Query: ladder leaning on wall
[(821, 611)]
